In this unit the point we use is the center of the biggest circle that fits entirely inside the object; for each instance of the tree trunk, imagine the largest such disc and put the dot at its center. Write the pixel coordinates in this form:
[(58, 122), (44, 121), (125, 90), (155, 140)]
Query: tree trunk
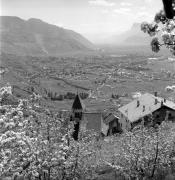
[(168, 8), (156, 156)]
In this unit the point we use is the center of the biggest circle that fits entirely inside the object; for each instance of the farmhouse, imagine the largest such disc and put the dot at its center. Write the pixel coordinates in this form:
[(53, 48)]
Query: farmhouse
[(113, 124), (143, 108)]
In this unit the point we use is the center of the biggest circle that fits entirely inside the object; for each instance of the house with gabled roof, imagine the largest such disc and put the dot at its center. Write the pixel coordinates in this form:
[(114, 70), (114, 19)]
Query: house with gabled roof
[(145, 106), (112, 121)]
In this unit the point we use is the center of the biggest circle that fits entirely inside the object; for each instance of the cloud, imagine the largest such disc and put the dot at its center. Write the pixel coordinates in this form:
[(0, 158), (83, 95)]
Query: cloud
[(125, 11), (101, 3), (143, 8), (105, 11), (143, 15), (148, 1), (125, 4)]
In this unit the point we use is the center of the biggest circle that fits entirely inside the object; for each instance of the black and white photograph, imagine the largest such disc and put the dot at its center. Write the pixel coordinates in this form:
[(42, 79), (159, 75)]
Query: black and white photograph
[(87, 89)]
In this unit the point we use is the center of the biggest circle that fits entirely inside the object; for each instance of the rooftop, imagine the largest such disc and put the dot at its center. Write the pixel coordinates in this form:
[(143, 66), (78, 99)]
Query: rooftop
[(144, 105), (110, 117), (93, 120), (78, 103)]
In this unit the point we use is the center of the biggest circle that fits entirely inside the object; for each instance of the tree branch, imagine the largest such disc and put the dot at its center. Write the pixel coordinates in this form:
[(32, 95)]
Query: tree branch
[(155, 160), (168, 8)]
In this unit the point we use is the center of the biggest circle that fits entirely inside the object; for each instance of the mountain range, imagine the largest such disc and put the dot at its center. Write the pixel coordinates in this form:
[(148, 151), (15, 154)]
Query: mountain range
[(36, 37), (133, 36)]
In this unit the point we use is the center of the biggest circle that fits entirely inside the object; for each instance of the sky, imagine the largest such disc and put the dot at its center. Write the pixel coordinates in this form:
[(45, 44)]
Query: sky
[(88, 17)]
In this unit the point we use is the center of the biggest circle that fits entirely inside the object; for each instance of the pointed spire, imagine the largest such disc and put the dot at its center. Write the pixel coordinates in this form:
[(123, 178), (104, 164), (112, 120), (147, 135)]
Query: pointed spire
[(78, 104)]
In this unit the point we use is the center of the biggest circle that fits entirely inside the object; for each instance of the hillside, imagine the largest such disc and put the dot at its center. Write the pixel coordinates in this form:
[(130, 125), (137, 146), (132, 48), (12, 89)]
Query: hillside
[(134, 36), (36, 37)]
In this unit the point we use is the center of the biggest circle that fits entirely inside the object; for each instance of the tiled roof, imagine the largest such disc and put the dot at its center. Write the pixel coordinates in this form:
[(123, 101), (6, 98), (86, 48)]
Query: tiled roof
[(78, 103), (93, 120), (146, 106), (110, 117)]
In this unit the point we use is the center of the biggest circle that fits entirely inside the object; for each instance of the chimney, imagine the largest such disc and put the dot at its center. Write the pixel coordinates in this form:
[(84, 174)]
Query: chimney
[(138, 103), (156, 101), (164, 100), (161, 103), (155, 94), (143, 108)]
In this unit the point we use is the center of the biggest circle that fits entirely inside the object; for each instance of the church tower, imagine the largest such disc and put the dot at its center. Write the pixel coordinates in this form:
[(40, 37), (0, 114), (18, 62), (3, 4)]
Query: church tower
[(78, 108)]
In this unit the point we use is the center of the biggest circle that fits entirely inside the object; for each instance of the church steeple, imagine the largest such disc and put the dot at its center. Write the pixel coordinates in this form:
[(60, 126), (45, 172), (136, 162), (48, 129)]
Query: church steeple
[(78, 104), (77, 113)]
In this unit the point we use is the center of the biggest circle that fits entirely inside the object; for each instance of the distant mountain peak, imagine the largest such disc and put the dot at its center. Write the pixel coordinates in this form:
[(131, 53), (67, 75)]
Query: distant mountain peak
[(133, 36), (36, 37), (35, 20), (9, 19)]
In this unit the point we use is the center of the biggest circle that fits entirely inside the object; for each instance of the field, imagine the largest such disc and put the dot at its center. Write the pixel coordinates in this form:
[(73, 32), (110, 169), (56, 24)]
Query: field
[(103, 73)]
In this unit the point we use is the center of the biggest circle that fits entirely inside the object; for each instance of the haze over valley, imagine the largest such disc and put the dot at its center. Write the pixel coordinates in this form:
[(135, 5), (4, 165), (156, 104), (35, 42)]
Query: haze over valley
[(87, 90), (50, 59)]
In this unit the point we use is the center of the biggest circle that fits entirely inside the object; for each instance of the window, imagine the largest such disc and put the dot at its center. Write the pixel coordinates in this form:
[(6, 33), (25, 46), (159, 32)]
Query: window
[(169, 116), (157, 116), (78, 115)]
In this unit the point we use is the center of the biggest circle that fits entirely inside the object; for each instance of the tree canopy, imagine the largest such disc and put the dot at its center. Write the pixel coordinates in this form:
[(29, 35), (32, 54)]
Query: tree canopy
[(163, 28)]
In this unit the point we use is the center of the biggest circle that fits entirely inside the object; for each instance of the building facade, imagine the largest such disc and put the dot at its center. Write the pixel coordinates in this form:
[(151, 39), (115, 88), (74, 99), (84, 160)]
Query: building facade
[(146, 108), (113, 123)]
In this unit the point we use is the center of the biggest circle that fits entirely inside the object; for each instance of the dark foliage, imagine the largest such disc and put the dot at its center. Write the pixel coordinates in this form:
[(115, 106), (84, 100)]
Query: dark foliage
[(168, 8), (69, 95)]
